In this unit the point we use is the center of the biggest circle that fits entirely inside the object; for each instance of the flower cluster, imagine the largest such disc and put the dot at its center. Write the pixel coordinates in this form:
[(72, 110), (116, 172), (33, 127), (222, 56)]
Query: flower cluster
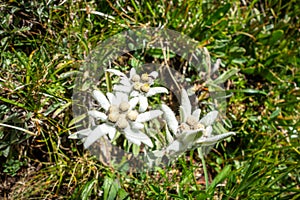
[(125, 111)]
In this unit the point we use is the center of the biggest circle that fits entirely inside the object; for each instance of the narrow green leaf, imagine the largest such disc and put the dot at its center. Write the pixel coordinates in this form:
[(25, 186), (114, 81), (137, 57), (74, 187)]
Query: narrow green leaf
[(218, 14), (271, 76), (219, 178), (275, 113), (77, 119), (250, 91), (62, 108), (122, 194), (225, 76), (69, 74), (106, 187), (12, 102), (87, 190), (113, 190)]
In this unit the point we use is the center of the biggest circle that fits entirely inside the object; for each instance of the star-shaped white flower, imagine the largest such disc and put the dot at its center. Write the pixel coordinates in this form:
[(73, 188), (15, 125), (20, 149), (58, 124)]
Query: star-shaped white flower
[(190, 131), (119, 115)]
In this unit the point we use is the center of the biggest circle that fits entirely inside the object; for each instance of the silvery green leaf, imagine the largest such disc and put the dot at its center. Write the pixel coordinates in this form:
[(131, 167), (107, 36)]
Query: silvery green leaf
[(93, 136), (183, 115), (80, 134), (133, 102), (170, 117), (147, 116), (101, 99), (169, 137), (196, 113), (97, 115), (137, 137), (122, 88), (214, 139), (143, 101), (209, 119), (225, 76), (137, 125), (154, 74), (116, 72), (185, 102), (156, 90)]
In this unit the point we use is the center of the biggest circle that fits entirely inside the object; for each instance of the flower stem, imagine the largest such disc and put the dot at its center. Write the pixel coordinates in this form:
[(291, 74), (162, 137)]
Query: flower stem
[(108, 82), (204, 166)]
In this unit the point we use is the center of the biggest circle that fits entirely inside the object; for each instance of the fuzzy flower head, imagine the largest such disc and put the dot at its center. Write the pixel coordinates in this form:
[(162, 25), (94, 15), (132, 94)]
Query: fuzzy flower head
[(138, 86)]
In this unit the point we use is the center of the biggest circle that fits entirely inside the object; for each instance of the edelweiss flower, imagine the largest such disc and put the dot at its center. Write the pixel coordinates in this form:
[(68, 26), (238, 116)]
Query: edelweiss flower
[(119, 115), (138, 86), (188, 131)]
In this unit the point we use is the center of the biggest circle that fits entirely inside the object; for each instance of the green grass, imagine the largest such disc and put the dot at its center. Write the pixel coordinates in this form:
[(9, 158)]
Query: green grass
[(42, 45)]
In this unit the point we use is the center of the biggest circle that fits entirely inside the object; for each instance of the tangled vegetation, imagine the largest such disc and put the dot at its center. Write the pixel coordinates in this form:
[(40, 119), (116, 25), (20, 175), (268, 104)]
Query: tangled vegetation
[(43, 44)]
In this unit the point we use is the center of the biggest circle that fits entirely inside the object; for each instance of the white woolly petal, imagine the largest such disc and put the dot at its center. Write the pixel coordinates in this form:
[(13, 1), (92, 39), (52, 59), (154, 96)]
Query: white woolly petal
[(101, 99), (209, 119), (214, 139), (188, 137), (143, 101), (125, 82), (132, 136), (122, 88), (133, 102), (132, 72), (144, 117), (137, 125), (134, 93), (93, 136), (80, 134), (185, 102), (154, 74), (216, 66), (137, 137), (121, 96), (111, 98), (208, 131), (116, 72), (156, 90), (170, 117), (197, 113), (109, 129), (98, 115)]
